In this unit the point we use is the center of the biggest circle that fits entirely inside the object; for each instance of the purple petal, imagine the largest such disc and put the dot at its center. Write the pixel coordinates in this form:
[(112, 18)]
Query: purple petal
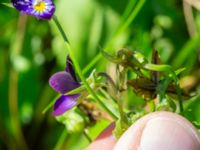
[(70, 68), (21, 5), (64, 103), (28, 7), (63, 82)]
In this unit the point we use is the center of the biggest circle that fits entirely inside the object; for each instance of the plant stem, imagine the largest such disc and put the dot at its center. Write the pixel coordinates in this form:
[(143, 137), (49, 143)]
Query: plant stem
[(86, 83), (62, 32), (92, 63), (61, 140), (178, 90), (87, 136), (78, 69), (180, 101)]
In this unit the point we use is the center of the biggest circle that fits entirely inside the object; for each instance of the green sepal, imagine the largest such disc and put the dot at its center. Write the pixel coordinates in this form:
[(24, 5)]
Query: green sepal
[(73, 121)]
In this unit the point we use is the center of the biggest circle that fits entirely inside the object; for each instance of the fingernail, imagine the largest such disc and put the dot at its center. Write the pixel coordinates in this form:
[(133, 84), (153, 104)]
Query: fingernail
[(168, 134)]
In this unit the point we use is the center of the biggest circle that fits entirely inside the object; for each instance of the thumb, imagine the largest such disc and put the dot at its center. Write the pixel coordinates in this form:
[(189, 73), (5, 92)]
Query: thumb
[(160, 130)]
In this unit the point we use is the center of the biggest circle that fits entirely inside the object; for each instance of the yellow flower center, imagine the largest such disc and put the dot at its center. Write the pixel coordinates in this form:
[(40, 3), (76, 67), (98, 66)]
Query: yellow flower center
[(40, 6)]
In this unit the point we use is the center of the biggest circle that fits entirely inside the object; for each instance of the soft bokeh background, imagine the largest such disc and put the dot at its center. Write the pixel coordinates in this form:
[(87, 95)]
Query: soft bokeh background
[(31, 50)]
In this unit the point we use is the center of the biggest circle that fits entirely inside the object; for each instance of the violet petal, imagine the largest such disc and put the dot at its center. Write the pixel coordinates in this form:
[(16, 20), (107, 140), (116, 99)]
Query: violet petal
[(21, 5), (42, 9), (63, 82), (70, 68), (64, 103)]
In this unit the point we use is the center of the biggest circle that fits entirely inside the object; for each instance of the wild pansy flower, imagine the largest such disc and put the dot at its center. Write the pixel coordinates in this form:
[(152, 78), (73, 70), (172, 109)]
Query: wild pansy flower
[(63, 82), (42, 9)]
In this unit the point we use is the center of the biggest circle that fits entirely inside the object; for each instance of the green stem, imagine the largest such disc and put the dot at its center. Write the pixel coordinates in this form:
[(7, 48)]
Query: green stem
[(87, 136), (180, 101), (121, 111), (61, 140), (121, 76), (178, 90), (86, 83), (104, 93), (92, 63), (62, 32), (78, 69)]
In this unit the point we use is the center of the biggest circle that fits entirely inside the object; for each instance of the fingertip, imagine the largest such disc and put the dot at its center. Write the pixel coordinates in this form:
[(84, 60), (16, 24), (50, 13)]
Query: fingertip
[(160, 130)]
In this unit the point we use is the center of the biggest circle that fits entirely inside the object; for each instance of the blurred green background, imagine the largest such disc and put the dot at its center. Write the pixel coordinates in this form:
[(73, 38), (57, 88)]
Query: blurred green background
[(32, 50)]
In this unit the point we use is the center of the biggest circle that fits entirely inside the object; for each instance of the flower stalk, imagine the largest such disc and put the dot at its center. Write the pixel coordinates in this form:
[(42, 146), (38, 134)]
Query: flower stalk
[(77, 67)]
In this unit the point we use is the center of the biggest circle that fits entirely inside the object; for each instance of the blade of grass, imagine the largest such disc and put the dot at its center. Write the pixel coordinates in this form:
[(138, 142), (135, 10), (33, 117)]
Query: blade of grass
[(128, 9), (186, 50), (61, 140), (131, 17), (121, 28)]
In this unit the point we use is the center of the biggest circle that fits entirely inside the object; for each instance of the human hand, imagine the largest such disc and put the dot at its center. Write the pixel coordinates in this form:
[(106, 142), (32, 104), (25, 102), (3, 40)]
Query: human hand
[(155, 131)]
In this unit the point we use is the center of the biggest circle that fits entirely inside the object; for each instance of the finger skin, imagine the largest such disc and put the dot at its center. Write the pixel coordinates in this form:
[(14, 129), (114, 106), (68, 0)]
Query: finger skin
[(186, 136), (131, 139), (105, 141)]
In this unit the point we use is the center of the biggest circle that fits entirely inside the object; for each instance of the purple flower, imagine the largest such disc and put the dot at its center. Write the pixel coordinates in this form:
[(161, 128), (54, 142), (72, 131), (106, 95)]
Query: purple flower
[(64, 103), (42, 9), (63, 82)]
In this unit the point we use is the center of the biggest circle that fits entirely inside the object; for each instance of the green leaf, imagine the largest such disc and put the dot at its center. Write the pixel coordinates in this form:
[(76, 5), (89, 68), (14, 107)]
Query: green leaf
[(7, 5), (178, 71), (160, 68), (139, 57), (186, 51), (196, 124), (162, 87), (131, 17)]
